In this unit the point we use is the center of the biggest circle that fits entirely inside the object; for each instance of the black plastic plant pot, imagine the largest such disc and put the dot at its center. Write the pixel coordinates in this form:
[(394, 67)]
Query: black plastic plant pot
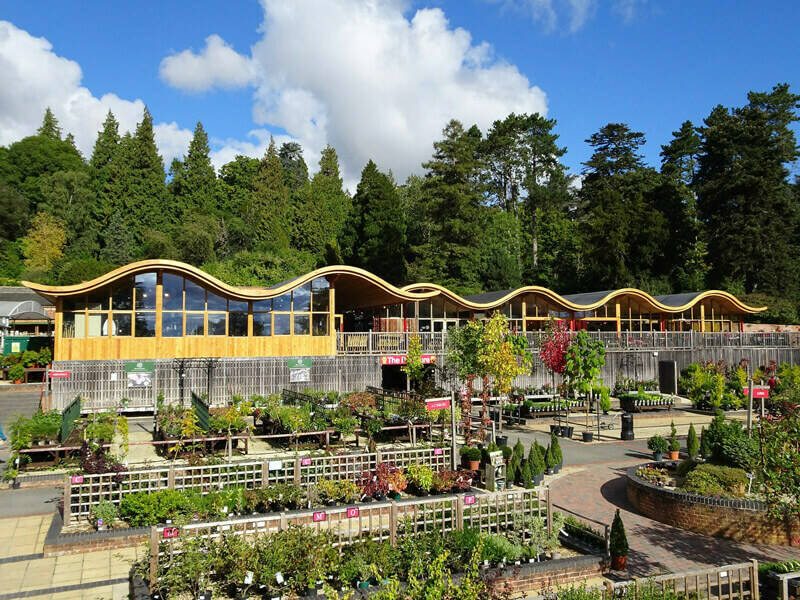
[(380, 497), (568, 431), (502, 440), (555, 429), (588, 436)]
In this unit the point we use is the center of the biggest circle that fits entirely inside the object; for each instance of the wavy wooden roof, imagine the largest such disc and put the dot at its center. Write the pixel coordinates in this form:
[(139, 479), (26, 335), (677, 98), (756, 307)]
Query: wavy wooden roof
[(363, 288)]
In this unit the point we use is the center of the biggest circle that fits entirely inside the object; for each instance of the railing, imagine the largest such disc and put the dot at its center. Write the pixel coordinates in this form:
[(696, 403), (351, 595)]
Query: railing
[(83, 492), (491, 513), (729, 582), (436, 343)]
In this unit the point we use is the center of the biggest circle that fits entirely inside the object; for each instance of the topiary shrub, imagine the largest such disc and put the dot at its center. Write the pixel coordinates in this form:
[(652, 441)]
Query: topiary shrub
[(527, 478), (519, 450), (618, 541), (555, 449), (536, 460), (692, 443)]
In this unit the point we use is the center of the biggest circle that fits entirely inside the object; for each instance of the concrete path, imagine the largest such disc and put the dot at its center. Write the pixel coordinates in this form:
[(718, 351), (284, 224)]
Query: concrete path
[(596, 491)]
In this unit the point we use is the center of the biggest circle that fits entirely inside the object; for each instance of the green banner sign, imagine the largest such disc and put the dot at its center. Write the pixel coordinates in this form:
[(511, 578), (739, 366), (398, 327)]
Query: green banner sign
[(140, 366), (298, 363)]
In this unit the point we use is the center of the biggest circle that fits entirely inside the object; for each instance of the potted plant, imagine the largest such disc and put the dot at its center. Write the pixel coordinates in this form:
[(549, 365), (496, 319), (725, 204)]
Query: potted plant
[(558, 457), (605, 400), (536, 460), (103, 515), (464, 452), (421, 477), (474, 459), (659, 446), (692, 443), (674, 444), (618, 544), (16, 373), (588, 436)]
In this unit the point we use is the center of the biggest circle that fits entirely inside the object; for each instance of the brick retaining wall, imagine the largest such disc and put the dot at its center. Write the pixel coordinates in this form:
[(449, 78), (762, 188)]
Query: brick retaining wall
[(58, 544), (550, 574), (740, 520)]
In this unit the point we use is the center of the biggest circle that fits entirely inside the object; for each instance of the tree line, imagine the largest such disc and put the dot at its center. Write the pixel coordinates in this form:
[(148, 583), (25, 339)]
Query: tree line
[(492, 210)]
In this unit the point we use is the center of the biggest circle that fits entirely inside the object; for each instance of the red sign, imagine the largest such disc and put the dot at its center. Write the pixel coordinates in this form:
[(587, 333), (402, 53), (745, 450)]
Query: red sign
[(170, 532), (320, 516), (437, 404), (77, 479), (400, 359), (469, 499), (352, 512), (304, 462), (758, 392), (437, 451), (59, 374)]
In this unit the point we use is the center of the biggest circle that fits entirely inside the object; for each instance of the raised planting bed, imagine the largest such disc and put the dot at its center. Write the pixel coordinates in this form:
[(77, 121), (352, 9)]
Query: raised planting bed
[(645, 401)]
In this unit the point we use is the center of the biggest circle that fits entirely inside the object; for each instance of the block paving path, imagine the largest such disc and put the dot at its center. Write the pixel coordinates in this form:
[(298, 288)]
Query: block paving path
[(596, 491)]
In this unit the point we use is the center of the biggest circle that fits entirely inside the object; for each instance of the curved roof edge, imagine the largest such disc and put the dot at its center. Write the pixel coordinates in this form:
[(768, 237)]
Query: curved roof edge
[(55, 291), (416, 291), (557, 298)]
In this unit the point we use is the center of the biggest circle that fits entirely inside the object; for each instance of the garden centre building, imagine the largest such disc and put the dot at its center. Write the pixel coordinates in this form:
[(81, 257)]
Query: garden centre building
[(347, 320)]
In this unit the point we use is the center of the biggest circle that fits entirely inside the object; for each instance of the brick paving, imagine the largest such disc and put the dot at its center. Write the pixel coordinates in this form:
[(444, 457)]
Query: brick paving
[(596, 491)]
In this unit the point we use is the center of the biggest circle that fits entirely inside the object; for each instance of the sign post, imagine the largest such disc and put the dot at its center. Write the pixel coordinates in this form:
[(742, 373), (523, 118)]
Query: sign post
[(453, 430), (750, 407)]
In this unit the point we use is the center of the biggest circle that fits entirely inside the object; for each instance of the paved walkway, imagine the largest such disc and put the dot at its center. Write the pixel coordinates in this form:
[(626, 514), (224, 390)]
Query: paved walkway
[(596, 491)]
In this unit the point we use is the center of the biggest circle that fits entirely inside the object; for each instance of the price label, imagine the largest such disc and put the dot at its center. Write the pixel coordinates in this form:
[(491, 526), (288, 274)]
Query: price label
[(170, 532), (320, 516), (304, 462), (352, 512), (437, 451), (469, 499), (77, 479)]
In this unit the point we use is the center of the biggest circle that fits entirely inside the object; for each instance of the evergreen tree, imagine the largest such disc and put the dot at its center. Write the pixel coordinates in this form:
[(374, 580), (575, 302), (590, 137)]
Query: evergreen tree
[(616, 151), (237, 184), (679, 157), (295, 170), (49, 128), (101, 162), (270, 204), (120, 248), (194, 183), (375, 233)]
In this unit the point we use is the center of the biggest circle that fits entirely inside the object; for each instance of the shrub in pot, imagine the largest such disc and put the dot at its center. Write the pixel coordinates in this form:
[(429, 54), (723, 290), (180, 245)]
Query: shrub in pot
[(507, 452), (16, 373), (618, 544), (658, 445), (421, 477), (558, 457), (464, 453), (474, 459), (536, 460), (692, 443), (103, 515), (674, 444)]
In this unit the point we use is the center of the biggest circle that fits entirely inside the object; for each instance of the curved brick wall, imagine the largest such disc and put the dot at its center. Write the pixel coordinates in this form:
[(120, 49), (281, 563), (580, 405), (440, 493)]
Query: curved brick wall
[(743, 520)]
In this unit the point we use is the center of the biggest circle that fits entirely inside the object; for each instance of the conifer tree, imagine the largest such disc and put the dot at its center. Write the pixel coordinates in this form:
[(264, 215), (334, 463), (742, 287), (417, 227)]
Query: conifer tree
[(120, 246), (101, 162), (295, 170), (49, 128), (269, 204), (193, 184)]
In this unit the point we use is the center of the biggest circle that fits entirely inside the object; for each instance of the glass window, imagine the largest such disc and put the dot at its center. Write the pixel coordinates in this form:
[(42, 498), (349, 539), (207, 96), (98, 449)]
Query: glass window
[(262, 324), (145, 285), (301, 324), (425, 309), (516, 309), (236, 306), (121, 324), (410, 310), (217, 302), (195, 296), (216, 323), (237, 324), (262, 306), (68, 325), (98, 300), (173, 291), (145, 324), (194, 324), (319, 324), (320, 295), (438, 308), (74, 303), (302, 298), (283, 324), (122, 295), (172, 324), (424, 325), (98, 324), (283, 302)]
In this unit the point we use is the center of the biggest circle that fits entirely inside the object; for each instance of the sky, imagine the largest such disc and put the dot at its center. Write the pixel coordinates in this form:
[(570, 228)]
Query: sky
[(379, 79)]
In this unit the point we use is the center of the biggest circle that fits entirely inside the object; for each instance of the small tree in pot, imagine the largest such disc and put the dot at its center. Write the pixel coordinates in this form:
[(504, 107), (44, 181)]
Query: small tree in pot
[(618, 543), (692, 443), (659, 446), (674, 444)]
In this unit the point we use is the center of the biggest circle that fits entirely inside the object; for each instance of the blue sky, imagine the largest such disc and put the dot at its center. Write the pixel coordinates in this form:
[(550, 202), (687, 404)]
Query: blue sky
[(647, 63)]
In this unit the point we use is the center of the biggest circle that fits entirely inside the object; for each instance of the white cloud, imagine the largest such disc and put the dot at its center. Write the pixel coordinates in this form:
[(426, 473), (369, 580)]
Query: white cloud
[(580, 11), (374, 83), (627, 8), (549, 13), (34, 78), (217, 65)]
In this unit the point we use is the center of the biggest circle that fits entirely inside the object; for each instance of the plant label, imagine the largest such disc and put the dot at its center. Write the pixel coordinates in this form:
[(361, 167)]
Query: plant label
[(469, 499), (279, 577), (352, 512), (305, 462), (275, 465), (438, 451), (261, 524), (320, 516), (77, 479), (248, 578), (170, 532)]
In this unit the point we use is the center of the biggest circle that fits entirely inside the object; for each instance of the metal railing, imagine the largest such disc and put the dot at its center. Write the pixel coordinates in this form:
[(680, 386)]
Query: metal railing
[(436, 343)]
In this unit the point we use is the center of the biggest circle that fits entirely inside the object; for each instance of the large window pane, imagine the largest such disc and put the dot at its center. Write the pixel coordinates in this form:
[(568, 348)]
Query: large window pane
[(98, 300), (262, 324), (121, 324), (302, 298), (74, 303), (216, 323), (237, 306), (319, 324), (194, 324), (173, 291), (302, 324), (216, 302), (68, 325), (237, 324), (98, 323), (145, 324), (172, 324), (262, 305), (122, 295), (195, 296), (283, 302), (283, 324), (320, 295), (145, 285)]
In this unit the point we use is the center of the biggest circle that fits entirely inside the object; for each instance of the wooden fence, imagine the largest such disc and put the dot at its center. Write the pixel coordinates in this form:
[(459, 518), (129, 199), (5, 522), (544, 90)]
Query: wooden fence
[(490, 513), (729, 582), (82, 492)]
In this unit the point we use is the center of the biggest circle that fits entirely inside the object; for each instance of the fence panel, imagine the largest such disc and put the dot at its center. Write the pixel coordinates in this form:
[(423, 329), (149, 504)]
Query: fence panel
[(68, 418)]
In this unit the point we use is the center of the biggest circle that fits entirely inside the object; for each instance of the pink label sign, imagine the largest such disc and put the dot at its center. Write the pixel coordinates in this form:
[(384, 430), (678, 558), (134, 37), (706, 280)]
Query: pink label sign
[(469, 499), (758, 392), (437, 404), (320, 516), (437, 451), (170, 532), (304, 462), (77, 479), (352, 512), (58, 374)]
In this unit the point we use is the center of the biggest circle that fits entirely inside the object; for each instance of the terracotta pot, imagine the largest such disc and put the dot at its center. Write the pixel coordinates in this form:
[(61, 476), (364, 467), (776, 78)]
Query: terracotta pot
[(18, 381), (474, 465), (618, 563), (674, 455)]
